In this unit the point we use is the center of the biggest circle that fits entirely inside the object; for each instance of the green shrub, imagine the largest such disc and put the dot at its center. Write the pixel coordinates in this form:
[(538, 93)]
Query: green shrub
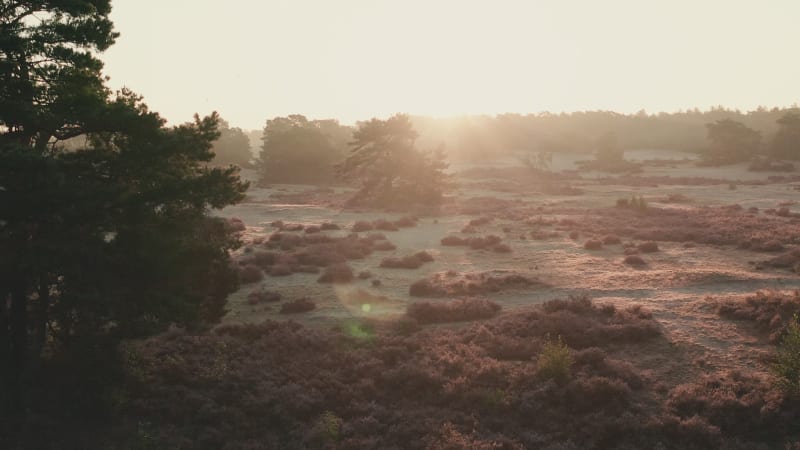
[(555, 361), (331, 426), (787, 365)]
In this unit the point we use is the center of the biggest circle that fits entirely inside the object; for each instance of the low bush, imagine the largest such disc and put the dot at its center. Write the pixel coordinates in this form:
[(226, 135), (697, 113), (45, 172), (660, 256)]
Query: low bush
[(362, 226), (593, 244), (338, 273), (446, 284), (406, 222), (501, 248), (476, 243), (250, 274), (300, 305), (263, 296), (384, 225), (414, 261), (480, 221), (634, 260), (452, 311), (236, 224), (648, 247)]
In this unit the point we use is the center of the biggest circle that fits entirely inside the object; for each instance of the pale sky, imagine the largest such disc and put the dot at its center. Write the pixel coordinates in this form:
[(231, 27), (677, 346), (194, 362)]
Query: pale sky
[(356, 59)]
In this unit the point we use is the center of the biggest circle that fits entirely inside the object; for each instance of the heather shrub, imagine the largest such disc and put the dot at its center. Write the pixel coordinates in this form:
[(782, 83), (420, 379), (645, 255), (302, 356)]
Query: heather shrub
[(406, 222), (338, 273), (280, 270), (384, 225), (611, 240), (263, 296), (250, 274), (235, 224), (383, 246), (452, 311), (362, 225), (414, 261), (454, 241), (634, 260), (299, 305), (475, 243), (593, 244), (647, 247), (772, 311), (555, 361), (452, 284), (480, 221)]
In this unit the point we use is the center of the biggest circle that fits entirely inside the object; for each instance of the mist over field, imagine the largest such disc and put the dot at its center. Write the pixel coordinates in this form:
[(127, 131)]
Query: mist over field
[(400, 225)]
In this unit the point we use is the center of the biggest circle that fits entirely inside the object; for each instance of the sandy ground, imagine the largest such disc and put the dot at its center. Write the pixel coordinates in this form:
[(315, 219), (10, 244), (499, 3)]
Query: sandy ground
[(676, 284)]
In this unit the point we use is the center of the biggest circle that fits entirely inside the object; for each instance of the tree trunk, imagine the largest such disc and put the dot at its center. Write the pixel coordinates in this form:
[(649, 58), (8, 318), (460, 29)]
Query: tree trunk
[(5, 346), (18, 351), (40, 330)]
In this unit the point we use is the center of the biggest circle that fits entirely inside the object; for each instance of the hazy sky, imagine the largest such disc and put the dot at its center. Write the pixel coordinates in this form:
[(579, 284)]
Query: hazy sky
[(355, 59)]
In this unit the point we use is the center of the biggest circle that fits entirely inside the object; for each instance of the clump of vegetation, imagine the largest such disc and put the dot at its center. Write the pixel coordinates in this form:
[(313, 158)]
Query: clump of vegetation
[(291, 253), (593, 244), (647, 247), (236, 224), (297, 306), (250, 273), (337, 273), (385, 224), (634, 260), (451, 284), (490, 242), (480, 221), (362, 225), (787, 362), (414, 261), (452, 311), (555, 361), (611, 240), (263, 296), (328, 429), (772, 311)]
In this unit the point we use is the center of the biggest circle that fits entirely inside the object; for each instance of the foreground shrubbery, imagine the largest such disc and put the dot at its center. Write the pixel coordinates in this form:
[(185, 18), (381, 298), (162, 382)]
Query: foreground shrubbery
[(280, 385)]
